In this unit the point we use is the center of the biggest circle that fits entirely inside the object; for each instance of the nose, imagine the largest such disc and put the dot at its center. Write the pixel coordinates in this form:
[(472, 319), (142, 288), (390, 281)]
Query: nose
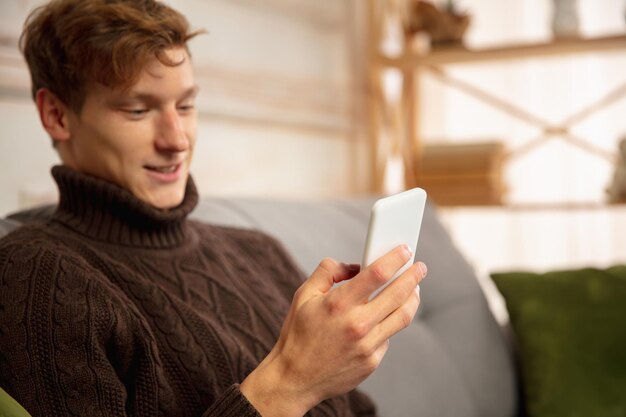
[(171, 135)]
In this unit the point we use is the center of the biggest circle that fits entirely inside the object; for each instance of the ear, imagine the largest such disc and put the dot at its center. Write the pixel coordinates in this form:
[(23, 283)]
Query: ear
[(53, 115)]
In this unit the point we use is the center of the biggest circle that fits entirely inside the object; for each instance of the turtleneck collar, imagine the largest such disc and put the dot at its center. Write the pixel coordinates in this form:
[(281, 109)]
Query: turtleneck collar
[(110, 213)]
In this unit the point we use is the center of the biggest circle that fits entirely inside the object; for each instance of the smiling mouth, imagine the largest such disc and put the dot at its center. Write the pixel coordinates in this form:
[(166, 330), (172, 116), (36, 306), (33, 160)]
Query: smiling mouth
[(163, 169)]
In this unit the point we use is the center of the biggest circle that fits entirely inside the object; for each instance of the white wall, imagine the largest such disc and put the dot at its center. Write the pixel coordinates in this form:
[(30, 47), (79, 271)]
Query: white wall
[(277, 107)]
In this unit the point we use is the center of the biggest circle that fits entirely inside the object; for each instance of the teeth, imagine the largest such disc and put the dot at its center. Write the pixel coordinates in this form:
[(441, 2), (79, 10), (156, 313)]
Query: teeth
[(164, 170)]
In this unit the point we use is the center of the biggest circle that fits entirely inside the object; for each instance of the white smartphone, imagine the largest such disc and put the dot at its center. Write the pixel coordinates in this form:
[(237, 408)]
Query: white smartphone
[(394, 220)]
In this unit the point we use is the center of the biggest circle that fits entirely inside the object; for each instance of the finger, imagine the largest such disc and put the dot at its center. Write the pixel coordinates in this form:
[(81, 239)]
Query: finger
[(379, 354), (400, 319), (351, 270), (376, 275), (396, 294), (382, 350), (327, 273)]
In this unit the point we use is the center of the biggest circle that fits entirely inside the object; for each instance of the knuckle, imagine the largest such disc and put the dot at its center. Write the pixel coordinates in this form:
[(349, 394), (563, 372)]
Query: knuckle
[(357, 330), (406, 318), (363, 350), (378, 273), (372, 363)]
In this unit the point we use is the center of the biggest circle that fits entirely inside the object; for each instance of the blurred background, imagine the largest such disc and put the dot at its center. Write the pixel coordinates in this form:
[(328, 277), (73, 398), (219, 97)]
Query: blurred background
[(509, 113)]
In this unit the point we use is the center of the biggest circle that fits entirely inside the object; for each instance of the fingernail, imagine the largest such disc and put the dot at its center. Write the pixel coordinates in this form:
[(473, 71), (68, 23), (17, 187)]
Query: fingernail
[(417, 290), (423, 268), (408, 250)]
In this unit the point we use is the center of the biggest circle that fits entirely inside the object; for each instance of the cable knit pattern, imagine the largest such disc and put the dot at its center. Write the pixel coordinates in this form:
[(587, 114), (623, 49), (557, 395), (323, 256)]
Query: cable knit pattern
[(115, 308)]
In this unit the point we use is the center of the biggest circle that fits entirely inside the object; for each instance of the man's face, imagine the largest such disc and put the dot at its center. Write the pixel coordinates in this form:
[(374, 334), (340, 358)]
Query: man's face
[(141, 139)]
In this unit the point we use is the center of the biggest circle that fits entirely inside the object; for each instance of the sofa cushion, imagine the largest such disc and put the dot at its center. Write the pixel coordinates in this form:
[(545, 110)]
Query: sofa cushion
[(571, 337), (9, 407)]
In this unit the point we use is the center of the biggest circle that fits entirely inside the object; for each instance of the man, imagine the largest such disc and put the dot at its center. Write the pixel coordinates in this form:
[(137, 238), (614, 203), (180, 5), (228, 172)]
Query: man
[(120, 306)]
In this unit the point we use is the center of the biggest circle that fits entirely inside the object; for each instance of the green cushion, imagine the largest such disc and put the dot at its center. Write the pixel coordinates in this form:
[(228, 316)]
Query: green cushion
[(570, 329), (9, 407)]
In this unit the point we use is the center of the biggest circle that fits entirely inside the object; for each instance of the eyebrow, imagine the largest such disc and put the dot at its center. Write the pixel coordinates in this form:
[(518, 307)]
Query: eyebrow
[(149, 97)]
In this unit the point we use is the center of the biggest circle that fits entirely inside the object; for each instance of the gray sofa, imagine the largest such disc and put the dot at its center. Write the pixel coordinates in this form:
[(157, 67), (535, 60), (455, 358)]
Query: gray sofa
[(453, 361)]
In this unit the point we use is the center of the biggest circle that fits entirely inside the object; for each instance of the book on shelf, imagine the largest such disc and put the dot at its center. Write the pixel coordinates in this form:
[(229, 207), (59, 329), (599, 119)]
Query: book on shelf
[(462, 174), (461, 194)]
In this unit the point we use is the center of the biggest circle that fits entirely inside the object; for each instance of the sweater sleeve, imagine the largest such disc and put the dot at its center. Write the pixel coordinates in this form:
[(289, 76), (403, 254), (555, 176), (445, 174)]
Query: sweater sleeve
[(361, 405), (232, 403), (69, 347)]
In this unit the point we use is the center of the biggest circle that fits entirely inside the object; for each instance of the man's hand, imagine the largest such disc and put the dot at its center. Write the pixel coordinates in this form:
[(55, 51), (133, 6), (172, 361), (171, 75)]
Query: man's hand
[(334, 338)]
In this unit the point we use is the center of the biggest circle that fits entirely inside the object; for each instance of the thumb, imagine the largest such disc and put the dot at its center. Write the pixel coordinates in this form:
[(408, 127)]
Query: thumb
[(327, 273)]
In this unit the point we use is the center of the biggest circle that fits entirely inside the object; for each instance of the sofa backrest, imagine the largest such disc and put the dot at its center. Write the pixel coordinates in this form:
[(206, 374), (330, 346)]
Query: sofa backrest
[(452, 361), (6, 225)]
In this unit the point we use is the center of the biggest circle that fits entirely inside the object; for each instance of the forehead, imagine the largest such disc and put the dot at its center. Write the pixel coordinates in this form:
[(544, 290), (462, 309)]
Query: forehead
[(157, 79)]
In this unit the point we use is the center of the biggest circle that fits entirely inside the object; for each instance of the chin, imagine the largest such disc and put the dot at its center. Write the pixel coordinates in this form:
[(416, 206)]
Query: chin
[(169, 202), (165, 199)]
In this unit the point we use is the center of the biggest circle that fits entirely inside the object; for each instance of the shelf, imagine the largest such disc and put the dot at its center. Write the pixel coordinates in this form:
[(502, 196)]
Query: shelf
[(458, 55), (542, 207), (395, 122)]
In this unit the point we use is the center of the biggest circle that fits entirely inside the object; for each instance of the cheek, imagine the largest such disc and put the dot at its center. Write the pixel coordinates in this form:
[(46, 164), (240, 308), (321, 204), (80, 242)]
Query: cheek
[(117, 136), (191, 129), (133, 140)]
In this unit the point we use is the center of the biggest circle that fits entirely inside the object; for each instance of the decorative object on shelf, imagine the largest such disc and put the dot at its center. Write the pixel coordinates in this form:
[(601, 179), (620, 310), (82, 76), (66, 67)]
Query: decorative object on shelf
[(444, 26), (617, 189), (565, 19), (462, 174)]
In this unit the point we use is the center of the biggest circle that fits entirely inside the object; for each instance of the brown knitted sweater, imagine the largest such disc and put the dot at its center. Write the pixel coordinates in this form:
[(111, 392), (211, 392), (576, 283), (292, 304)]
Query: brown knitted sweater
[(115, 308)]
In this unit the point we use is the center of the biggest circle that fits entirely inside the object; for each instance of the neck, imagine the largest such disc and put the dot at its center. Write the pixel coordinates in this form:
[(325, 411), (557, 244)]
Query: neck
[(104, 211)]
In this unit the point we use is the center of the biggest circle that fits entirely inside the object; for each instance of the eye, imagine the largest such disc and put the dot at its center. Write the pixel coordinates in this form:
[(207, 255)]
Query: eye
[(185, 107), (135, 112)]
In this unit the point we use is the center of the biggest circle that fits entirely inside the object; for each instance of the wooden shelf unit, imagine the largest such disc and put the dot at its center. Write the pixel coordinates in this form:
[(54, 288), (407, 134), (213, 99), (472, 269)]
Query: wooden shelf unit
[(460, 55), (545, 207), (398, 123)]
